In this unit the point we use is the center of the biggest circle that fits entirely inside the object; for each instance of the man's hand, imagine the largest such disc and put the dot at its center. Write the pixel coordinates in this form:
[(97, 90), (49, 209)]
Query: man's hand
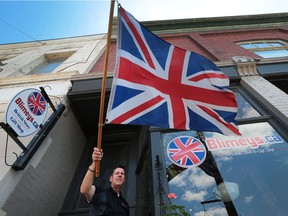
[(97, 154), (87, 188)]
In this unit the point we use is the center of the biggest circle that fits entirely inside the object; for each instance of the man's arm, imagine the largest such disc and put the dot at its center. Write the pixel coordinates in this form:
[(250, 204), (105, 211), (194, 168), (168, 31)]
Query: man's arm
[(87, 188)]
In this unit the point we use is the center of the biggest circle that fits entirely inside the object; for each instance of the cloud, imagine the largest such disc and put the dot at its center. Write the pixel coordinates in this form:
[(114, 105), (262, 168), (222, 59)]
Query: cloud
[(218, 211), (200, 179), (248, 199), (180, 180), (194, 196), (195, 176)]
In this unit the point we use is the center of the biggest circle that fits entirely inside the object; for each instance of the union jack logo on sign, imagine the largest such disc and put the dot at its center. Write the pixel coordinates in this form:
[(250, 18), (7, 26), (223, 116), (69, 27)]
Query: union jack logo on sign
[(186, 151), (36, 103)]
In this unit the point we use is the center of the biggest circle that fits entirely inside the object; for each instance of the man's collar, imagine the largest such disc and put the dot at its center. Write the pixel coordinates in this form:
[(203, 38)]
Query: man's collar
[(114, 192)]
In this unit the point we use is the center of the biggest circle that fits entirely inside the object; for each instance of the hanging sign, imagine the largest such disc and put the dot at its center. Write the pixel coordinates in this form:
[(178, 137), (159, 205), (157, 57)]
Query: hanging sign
[(186, 151), (26, 112)]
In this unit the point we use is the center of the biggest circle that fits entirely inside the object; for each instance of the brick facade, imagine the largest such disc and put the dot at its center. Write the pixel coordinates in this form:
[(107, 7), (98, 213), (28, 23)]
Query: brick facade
[(217, 46)]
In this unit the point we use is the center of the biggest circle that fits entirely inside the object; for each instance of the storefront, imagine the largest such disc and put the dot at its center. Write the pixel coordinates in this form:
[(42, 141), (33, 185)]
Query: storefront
[(242, 175)]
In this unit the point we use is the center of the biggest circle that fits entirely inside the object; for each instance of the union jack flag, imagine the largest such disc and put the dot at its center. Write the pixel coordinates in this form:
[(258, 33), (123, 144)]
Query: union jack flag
[(36, 103), (159, 84), (186, 151)]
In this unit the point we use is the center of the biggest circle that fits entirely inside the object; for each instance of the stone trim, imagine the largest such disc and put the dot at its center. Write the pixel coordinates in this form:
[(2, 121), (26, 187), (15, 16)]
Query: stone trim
[(268, 94), (246, 66)]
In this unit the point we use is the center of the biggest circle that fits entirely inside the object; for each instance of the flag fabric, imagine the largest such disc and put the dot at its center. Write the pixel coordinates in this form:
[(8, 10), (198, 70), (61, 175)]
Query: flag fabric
[(159, 84)]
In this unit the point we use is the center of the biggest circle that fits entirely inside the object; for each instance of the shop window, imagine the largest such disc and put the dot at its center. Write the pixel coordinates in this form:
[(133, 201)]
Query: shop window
[(245, 109), (250, 172), (267, 49), (251, 167)]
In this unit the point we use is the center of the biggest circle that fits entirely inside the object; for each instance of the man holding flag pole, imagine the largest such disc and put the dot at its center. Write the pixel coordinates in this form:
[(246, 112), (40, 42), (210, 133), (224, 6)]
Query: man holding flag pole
[(158, 84), (105, 201)]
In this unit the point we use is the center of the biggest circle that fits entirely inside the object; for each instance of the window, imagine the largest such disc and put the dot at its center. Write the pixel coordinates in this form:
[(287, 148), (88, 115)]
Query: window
[(50, 62), (47, 67), (267, 49), (272, 53), (253, 45), (250, 166), (245, 110), (253, 172)]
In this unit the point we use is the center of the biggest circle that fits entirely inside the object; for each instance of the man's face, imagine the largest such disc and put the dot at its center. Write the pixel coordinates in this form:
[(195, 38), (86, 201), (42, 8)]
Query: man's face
[(118, 177)]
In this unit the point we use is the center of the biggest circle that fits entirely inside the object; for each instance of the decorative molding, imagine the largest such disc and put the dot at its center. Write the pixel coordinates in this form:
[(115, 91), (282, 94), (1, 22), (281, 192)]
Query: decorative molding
[(161, 27), (37, 78), (246, 66), (239, 32)]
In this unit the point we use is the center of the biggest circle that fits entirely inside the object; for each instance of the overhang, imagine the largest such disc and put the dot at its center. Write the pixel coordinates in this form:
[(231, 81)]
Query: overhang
[(84, 100)]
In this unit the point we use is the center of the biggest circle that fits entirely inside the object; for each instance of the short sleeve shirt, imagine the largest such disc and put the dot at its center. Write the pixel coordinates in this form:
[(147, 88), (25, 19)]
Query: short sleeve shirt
[(106, 202)]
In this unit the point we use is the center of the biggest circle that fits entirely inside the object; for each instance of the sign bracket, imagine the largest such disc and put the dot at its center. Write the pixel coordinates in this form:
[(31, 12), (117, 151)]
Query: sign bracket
[(13, 135), (28, 119), (37, 140), (46, 97)]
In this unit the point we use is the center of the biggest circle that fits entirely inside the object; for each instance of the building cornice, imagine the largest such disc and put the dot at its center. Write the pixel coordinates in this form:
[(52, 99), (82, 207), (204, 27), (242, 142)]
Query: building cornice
[(237, 32), (214, 23), (36, 78)]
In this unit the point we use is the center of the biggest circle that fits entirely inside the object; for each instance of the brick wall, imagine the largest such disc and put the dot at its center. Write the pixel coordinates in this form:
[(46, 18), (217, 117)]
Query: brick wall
[(217, 46)]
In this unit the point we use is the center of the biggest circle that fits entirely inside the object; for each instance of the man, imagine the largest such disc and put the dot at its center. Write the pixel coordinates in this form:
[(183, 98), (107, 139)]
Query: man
[(107, 201)]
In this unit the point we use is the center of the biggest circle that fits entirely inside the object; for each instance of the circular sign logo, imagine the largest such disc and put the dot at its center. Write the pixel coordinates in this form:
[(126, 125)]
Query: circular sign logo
[(36, 103), (26, 112), (186, 151)]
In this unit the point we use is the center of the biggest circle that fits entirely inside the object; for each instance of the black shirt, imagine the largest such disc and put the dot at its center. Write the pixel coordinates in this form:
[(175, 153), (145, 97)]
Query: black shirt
[(106, 202)]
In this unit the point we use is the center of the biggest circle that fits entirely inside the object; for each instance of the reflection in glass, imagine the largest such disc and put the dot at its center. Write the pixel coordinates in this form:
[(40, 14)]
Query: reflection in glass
[(272, 53), (261, 45), (192, 185), (245, 110), (48, 67), (257, 162)]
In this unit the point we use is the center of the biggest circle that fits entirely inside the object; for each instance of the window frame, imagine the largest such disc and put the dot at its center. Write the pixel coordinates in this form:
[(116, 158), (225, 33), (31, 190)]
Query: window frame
[(49, 58), (269, 47), (266, 115)]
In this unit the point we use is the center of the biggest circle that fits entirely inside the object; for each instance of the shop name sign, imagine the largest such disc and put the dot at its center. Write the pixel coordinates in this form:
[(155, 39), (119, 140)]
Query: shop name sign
[(252, 142), (26, 112)]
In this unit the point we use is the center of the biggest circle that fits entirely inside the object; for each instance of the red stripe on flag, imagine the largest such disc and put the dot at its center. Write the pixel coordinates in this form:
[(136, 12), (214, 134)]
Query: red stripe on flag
[(173, 86), (137, 110), (213, 114), (138, 38), (208, 75)]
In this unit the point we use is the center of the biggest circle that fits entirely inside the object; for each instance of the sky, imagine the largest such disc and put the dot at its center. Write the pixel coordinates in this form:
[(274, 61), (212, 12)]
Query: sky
[(22, 21)]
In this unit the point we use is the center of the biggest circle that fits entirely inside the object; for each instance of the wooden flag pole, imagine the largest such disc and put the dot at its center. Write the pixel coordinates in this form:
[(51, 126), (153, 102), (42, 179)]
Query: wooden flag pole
[(103, 90)]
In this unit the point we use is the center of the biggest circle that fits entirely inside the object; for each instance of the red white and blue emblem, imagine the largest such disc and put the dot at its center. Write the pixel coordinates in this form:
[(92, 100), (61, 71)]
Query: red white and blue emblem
[(159, 84), (36, 103), (186, 151)]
